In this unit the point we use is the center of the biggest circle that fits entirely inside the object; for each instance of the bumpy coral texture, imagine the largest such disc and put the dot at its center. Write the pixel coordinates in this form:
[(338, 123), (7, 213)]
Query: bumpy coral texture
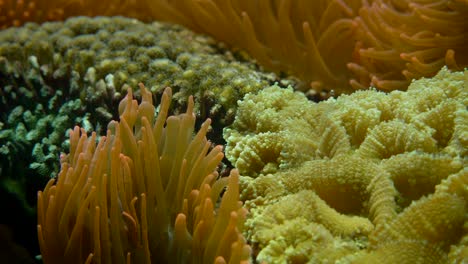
[(59, 74), (380, 178), (340, 45), (146, 193), (258, 143), (110, 52)]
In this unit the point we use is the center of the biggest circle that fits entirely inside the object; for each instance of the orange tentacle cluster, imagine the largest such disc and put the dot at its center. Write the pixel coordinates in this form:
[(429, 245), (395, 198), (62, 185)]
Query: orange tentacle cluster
[(330, 44)]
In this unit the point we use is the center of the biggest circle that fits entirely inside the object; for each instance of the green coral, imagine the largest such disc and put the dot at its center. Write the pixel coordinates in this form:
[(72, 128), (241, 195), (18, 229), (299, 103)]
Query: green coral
[(118, 51), (59, 74)]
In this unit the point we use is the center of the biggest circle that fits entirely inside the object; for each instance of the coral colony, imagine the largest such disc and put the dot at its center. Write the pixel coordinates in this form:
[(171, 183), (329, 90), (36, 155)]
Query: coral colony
[(267, 131)]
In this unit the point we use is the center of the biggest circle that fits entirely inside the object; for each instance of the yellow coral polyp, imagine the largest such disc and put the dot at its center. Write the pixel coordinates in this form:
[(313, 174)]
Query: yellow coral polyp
[(385, 179)]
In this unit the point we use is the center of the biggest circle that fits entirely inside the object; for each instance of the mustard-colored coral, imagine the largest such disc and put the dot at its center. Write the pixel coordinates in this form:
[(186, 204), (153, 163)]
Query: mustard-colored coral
[(430, 117), (426, 230), (386, 173), (261, 140), (345, 195)]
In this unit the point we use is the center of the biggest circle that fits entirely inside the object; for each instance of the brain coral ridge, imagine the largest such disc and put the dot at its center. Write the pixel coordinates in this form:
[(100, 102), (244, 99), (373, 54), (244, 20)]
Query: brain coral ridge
[(380, 177), (340, 45)]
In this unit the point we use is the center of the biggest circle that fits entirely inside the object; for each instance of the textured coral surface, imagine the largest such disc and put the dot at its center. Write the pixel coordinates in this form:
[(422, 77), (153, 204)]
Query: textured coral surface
[(116, 51), (340, 45), (364, 178), (370, 177), (61, 74)]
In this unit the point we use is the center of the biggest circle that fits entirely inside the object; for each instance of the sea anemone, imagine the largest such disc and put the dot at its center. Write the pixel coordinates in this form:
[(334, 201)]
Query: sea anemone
[(146, 193), (339, 45)]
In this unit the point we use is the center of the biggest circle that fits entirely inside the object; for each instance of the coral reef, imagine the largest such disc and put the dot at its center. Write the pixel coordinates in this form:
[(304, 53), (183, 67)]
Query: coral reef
[(272, 126), (331, 45), (146, 192), (34, 118), (117, 51), (268, 132), (372, 173), (55, 75), (381, 177), (61, 74), (33, 121)]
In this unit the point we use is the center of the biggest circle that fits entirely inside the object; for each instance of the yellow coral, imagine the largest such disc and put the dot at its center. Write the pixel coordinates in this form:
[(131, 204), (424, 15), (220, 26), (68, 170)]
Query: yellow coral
[(437, 219), (145, 193), (426, 230), (396, 161), (416, 174), (346, 196), (260, 142), (402, 251), (430, 117), (394, 137), (311, 243)]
